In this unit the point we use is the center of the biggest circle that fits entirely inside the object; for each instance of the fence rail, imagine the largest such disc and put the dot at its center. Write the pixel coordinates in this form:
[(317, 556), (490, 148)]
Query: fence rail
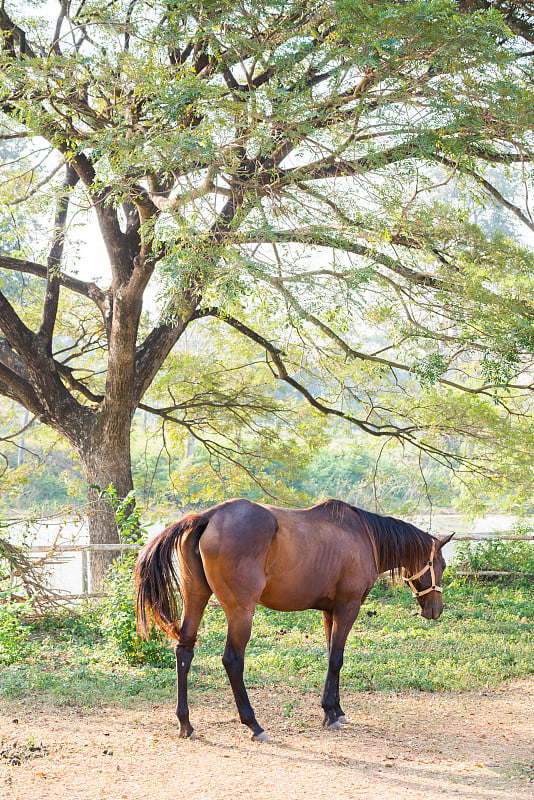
[(84, 549)]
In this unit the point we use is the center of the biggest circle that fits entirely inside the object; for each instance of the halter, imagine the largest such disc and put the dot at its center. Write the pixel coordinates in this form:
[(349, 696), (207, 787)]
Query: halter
[(428, 566)]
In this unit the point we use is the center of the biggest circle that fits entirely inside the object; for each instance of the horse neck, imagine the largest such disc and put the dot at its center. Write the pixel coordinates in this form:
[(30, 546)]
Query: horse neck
[(408, 551)]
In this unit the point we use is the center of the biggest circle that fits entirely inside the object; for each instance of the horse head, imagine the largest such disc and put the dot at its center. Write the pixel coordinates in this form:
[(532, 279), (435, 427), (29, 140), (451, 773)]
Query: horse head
[(426, 582)]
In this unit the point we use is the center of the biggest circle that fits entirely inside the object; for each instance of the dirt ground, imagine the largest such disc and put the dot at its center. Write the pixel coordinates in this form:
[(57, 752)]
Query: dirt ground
[(413, 745)]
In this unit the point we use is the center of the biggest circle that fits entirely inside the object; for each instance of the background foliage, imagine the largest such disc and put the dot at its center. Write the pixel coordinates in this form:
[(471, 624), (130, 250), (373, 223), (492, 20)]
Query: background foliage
[(332, 198)]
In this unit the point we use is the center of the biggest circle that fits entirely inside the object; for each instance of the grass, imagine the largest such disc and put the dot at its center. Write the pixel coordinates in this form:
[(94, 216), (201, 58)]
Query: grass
[(485, 636)]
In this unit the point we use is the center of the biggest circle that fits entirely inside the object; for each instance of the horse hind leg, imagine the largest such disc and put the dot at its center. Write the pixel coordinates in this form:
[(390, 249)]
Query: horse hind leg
[(234, 550), (239, 630), (191, 617)]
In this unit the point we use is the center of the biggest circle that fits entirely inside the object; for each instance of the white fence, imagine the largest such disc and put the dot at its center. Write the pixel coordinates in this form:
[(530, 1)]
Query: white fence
[(83, 549)]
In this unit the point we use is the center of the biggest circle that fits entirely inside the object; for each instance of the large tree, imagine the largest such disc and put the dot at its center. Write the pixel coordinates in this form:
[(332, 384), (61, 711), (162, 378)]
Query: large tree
[(281, 168)]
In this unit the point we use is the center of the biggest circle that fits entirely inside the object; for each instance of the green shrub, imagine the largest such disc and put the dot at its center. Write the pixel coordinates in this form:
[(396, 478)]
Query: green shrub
[(13, 634), (499, 555), (118, 621), (127, 514)]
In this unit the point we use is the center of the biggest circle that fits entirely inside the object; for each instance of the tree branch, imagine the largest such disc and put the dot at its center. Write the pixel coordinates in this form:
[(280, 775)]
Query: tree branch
[(406, 434), (85, 288), (53, 279), (15, 387), (151, 354), (491, 190), (320, 238)]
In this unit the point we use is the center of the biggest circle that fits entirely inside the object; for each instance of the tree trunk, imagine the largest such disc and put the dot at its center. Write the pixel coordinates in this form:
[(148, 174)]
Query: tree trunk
[(106, 462)]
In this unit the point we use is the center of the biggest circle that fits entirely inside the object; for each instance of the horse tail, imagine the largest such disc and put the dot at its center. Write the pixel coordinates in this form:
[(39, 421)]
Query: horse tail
[(157, 586)]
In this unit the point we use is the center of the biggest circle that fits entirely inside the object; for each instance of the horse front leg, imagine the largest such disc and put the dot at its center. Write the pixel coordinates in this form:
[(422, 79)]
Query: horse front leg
[(239, 629), (328, 619), (342, 621), (330, 697)]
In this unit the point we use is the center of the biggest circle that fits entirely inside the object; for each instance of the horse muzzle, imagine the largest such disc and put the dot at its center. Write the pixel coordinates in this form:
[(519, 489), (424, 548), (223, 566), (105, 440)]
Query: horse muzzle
[(433, 609)]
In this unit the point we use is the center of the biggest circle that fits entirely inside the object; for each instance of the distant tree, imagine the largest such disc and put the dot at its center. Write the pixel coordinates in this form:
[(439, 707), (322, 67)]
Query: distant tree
[(271, 166)]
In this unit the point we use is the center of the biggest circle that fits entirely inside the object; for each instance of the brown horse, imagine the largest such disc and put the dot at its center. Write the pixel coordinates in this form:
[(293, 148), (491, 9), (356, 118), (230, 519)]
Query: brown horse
[(327, 557)]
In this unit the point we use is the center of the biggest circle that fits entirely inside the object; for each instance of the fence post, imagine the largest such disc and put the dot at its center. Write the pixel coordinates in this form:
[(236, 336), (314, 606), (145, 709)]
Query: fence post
[(85, 574)]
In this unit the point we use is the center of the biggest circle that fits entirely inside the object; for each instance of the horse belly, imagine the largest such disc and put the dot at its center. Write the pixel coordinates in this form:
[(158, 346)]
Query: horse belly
[(291, 592)]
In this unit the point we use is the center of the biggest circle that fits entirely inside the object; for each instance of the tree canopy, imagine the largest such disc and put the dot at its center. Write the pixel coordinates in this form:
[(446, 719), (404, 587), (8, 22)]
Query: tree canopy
[(298, 172)]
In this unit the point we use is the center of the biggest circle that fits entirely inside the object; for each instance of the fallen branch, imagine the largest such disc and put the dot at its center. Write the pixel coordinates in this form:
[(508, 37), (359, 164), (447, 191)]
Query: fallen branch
[(25, 579)]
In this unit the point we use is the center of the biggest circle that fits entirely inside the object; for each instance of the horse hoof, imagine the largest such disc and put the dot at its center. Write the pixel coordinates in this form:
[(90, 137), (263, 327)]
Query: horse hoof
[(342, 719), (260, 737), (334, 726)]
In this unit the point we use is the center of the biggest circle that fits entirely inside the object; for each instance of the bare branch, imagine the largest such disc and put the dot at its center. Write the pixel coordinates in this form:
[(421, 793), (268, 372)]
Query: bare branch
[(493, 191), (35, 188)]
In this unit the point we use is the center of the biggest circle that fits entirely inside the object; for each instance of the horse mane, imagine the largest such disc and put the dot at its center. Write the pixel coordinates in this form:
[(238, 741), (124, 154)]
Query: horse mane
[(397, 545)]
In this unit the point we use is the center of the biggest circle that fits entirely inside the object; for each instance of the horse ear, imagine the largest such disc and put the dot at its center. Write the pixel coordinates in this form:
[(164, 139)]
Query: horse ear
[(442, 542)]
